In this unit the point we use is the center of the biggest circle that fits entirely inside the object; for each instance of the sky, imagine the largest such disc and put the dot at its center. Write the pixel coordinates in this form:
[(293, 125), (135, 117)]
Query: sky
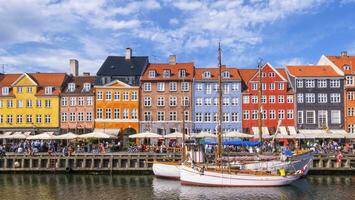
[(42, 35)]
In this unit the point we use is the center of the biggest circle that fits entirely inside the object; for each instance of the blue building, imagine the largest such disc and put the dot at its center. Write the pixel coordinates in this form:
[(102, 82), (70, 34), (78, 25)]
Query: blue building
[(205, 100)]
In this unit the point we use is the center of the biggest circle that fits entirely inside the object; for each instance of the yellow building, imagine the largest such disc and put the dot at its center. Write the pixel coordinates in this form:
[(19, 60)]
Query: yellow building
[(30, 102)]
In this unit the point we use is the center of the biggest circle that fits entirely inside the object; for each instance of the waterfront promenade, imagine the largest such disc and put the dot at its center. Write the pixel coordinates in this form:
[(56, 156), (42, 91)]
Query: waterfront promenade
[(135, 163)]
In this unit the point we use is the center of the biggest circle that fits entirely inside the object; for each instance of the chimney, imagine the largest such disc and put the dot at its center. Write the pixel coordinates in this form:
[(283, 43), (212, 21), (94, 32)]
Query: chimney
[(74, 67), (344, 53), (172, 59), (86, 73), (128, 53)]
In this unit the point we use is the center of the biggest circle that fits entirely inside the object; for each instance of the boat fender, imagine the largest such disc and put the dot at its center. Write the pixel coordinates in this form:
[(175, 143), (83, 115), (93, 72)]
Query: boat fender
[(202, 170), (282, 172)]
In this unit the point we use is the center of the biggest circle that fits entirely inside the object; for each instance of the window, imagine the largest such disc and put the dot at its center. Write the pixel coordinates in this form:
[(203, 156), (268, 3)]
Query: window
[(108, 95), (19, 119), (225, 89), (335, 98), (116, 113), (254, 99), (87, 87), (349, 80), (245, 99), (281, 86), (215, 87), (186, 115), (335, 117), (72, 101), (10, 104), (346, 67), (263, 99), (80, 116), (226, 101), (254, 114), (309, 83), (254, 86), (19, 104), (289, 114), (322, 119), (225, 117), (160, 115), (134, 114), (172, 116), (172, 86), (185, 101), (182, 73), (147, 116), (152, 74), (299, 117), (116, 95), (235, 101), (289, 98), (207, 117), (38, 103), (206, 74), (310, 98), (335, 83), (234, 117), (215, 101), (1, 119), (147, 101), (281, 99), (271, 99), (310, 117), (263, 74), (226, 74), (147, 87), (38, 119), (166, 73), (47, 119), (322, 83), (281, 114), (81, 101), (172, 101), (99, 113), (107, 113), (160, 86), (125, 113), (5, 91), (99, 95), (185, 86), (300, 98), (351, 112), (272, 114), (208, 101), (235, 87), (322, 98), (48, 90), (19, 89), (29, 90), (89, 116), (134, 96), (199, 102), (71, 87), (299, 83), (263, 114), (28, 119), (47, 103), (245, 114), (160, 101), (198, 117), (263, 86), (89, 101), (125, 96), (272, 86), (271, 74), (29, 103), (208, 88), (9, 119), (72, 116), (64, 101), (199, 86)]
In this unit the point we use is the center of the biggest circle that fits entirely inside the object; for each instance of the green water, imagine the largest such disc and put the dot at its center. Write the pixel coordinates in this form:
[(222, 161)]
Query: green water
[(97, 187)]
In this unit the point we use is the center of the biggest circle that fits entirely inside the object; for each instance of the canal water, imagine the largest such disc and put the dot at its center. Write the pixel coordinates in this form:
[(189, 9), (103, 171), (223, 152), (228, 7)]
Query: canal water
[(100, 187)]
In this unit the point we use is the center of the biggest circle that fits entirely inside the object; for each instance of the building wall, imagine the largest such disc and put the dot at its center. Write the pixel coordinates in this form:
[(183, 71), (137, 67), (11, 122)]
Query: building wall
[(203, 109)]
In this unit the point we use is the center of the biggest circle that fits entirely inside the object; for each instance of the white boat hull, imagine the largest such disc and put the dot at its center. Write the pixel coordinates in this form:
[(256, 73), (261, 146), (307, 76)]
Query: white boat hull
[(167, 170), (190, 176)]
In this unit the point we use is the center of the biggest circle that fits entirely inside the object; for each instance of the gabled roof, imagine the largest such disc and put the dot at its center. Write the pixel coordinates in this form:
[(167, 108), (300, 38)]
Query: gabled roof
[(274, 69), (341, 61), (79, 84), (120, 66), (312, 71), (234, 75), (116, 84), (174, 71), (24, 75)]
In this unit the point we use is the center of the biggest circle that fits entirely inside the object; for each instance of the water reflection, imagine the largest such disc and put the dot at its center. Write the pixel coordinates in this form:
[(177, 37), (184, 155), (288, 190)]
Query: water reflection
[(94, 187)]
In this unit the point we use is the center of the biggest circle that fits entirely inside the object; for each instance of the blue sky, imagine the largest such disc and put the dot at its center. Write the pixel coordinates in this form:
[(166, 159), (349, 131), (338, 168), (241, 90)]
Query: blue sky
[(43, 35)]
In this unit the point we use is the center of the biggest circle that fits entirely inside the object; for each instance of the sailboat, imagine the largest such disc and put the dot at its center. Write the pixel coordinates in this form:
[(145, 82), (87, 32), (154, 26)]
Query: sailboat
[(222, 174)]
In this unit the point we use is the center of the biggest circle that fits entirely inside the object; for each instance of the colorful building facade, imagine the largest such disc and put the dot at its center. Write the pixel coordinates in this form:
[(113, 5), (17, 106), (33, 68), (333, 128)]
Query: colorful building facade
[(77, 105), (29, 102), (117, 108), (166, 92), (277, 100), (205, 100)]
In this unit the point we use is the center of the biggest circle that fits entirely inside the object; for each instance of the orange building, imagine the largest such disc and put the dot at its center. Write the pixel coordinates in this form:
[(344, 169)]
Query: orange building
[(116, 107)]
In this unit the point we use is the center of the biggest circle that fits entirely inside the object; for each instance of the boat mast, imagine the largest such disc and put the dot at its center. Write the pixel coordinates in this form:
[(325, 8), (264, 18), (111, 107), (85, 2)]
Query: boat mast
[(183, 125), (260, 93), (219, 133)]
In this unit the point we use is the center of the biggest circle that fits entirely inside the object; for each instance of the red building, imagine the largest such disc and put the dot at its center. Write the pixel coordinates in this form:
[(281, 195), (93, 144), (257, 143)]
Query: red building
[(277, 99)]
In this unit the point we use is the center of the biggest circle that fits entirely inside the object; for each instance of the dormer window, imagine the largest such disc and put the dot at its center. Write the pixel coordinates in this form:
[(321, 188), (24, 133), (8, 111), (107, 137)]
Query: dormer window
[(226, 74), (48, 90), (71, 87), (5, 91), (87, 87), (152, 74), (166, 73), (182, 73), (207, 74), (346, 67)]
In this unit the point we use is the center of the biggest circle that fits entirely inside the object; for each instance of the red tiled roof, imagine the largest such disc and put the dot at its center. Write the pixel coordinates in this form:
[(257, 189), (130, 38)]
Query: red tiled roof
[(234, 75), (340, 61), (312, 71), (174, 71), (247, 74), (79, 84)]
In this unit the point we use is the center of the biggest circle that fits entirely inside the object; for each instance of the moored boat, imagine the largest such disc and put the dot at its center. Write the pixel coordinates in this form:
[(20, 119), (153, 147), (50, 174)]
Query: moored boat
[(169, 170)]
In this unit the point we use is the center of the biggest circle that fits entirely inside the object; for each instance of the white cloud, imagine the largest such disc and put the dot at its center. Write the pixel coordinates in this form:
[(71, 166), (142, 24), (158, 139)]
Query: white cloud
[(292, 61)]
